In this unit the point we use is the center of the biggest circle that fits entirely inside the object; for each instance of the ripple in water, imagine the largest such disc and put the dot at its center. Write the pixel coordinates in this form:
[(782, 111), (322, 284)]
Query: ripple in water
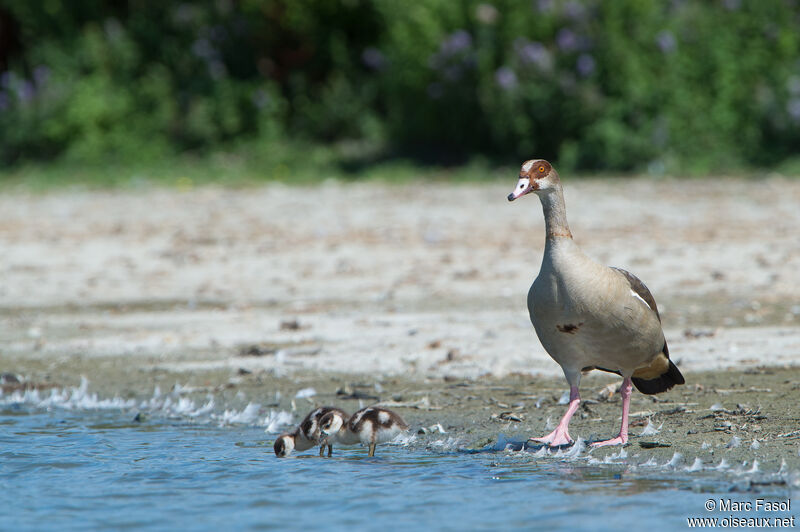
[(72, 461)]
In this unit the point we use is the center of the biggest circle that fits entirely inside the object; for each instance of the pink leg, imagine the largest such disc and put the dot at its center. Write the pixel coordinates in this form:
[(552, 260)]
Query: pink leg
[(622, 439), (560, 436)]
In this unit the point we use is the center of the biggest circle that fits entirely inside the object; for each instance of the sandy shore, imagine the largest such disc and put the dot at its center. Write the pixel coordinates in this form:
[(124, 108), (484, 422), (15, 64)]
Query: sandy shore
[(737, 427), (414, 287)]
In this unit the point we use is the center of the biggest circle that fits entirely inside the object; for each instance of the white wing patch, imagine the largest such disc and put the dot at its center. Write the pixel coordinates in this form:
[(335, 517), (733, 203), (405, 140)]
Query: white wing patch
[(640, 298), (383, 417)]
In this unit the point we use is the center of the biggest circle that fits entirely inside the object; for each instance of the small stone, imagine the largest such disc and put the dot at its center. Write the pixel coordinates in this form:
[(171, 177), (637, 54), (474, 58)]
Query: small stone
[(9, 378), (290, 325), (653, 444)]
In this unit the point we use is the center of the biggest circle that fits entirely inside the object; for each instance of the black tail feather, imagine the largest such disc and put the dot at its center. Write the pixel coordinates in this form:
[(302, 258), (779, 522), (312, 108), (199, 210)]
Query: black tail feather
[(662, 383)]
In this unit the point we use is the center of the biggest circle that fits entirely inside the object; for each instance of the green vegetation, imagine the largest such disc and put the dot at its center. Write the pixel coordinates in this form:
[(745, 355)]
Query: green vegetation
[(297, 90), (244, 165)]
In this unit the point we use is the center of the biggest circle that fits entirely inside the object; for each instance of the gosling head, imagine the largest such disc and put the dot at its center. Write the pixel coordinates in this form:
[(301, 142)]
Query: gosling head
[(284, 445), (536, 175), (331, 423)]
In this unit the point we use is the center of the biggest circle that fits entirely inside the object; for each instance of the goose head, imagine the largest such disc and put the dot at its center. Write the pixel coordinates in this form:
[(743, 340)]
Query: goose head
[(536, 175), (331, 423), (284, 445)]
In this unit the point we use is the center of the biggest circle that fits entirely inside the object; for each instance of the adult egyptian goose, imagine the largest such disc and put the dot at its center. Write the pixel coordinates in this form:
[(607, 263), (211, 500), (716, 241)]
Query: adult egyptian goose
[(369, 426), (589, 316), (307, 434)]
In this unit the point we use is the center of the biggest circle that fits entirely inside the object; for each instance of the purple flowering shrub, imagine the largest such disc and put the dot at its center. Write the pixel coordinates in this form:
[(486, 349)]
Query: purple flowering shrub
[(622, 85)]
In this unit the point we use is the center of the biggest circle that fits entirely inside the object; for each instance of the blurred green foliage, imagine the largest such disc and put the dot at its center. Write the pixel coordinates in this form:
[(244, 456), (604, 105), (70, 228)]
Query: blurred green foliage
[(631, 85)]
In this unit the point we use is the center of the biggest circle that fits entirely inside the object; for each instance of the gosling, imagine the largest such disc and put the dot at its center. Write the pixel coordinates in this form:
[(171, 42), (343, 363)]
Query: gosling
[(307, 434), (369, 426)]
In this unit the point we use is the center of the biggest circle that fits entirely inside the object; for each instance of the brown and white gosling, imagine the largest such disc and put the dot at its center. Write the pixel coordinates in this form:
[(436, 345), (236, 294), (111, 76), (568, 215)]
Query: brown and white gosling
[(307, 434), (589, 316), (369, 426)]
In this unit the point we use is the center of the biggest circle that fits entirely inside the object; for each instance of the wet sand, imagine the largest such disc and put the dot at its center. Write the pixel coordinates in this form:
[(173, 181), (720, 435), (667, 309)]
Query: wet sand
[(412, 295), (730, 417)]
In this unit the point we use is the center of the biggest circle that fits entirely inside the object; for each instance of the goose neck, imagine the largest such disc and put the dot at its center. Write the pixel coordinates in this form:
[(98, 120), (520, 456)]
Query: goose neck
[(555, 214)]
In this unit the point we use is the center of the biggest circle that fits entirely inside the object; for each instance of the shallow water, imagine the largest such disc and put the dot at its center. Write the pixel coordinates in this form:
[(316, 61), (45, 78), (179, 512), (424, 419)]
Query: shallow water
[(80, 463)]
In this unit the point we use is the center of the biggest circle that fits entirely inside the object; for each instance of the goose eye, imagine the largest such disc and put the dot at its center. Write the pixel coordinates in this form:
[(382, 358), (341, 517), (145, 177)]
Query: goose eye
[(541, 168)]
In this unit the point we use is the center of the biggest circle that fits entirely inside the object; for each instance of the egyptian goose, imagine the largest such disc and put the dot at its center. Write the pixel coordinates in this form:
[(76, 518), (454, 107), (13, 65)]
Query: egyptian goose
[(307, 434), (369, 426), (589, 316)]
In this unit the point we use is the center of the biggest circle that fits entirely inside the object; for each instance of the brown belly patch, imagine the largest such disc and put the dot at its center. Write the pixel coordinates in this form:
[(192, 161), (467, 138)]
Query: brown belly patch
[(569, 328)]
